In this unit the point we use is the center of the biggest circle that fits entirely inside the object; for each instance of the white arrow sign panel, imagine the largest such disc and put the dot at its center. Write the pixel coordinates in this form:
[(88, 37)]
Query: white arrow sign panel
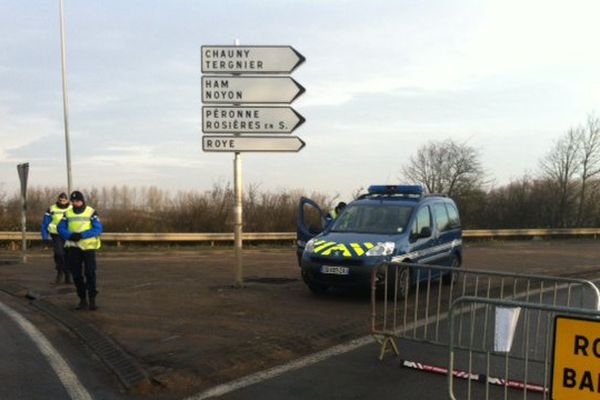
[(221, 89), (250, 59), (231, 119), (252, 143)]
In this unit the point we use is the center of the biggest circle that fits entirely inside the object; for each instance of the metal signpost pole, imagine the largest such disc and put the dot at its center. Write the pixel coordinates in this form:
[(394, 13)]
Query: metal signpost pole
[(237, 213), (23, 170), (65, 98)]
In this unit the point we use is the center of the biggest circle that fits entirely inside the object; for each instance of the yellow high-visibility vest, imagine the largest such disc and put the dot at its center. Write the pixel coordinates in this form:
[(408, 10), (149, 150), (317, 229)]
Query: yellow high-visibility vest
[(77, 223), (57, 214)]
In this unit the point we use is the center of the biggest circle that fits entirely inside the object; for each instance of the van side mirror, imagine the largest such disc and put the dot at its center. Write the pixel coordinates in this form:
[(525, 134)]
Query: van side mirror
[(425, 232), (314, 229)]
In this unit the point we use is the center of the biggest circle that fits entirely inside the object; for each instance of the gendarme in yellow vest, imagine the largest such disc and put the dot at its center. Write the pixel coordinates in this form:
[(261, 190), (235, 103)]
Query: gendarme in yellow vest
[(57, 215), (77, 223)]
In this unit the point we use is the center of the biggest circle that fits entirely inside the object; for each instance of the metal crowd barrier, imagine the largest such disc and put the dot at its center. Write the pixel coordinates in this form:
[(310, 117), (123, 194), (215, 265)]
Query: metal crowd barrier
[(420, 313), (493, 373)]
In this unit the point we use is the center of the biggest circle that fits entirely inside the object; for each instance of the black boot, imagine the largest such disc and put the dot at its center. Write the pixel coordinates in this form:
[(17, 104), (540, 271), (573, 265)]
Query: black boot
[(59, 275), (83, 305), (93, 303), (67, 278)]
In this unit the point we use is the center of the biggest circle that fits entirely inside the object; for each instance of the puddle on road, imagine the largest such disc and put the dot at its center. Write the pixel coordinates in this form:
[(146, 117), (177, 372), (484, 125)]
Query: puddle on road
[(271, 281)]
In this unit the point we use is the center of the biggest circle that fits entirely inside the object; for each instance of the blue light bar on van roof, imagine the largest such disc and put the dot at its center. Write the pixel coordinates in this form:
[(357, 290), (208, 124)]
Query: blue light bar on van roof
[(396, 189)]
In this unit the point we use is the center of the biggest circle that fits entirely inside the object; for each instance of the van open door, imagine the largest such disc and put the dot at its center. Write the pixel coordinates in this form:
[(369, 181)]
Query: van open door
[(311, 222)]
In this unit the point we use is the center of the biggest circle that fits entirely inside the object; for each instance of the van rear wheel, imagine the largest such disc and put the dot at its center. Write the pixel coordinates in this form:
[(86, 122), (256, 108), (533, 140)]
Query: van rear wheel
[(447, 279)]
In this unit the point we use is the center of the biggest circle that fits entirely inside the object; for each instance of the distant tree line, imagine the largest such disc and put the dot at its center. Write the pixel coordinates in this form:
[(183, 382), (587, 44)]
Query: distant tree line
[(563, 193), (150, 209)]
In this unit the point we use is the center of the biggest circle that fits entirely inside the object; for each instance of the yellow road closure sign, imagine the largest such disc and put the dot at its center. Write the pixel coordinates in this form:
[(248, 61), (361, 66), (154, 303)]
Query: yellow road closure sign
[(576, 361)]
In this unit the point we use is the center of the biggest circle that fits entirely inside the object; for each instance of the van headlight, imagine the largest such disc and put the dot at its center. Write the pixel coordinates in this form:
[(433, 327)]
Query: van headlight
[(382, 249), (310, 246)]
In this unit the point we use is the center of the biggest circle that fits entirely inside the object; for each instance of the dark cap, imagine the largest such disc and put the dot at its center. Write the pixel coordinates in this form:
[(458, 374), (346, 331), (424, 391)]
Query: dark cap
[(63, 195), (77, 195)]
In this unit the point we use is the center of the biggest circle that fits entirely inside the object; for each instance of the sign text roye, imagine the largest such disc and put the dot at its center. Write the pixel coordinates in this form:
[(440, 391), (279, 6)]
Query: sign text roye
[(232, 90), (250, 59), (229, 119), (252, 143)]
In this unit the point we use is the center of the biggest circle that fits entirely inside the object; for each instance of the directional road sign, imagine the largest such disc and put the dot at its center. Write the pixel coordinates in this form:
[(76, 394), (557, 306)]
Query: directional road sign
[(23, 170), (250, 59), (231, 119), (252, 143), (272, 89)]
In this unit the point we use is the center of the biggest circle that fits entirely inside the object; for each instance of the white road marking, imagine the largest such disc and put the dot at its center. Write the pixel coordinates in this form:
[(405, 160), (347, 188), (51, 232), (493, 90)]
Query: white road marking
[(57, 362), (273, 372)]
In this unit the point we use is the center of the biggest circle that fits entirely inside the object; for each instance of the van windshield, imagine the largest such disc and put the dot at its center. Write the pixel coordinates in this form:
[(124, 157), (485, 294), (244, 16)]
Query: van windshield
[(376, 218)]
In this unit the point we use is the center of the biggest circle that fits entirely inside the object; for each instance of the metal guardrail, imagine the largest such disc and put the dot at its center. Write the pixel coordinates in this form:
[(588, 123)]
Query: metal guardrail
[(291, 236), (491, 233), (169, 237), (418, 297), (526, 365)]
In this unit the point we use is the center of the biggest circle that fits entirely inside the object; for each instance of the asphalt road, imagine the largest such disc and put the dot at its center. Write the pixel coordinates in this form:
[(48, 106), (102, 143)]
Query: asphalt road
[(360, 375), (27, 373), (23, 364)]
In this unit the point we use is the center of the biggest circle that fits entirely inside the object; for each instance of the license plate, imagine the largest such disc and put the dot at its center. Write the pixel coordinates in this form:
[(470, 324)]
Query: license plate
[(329, 269)]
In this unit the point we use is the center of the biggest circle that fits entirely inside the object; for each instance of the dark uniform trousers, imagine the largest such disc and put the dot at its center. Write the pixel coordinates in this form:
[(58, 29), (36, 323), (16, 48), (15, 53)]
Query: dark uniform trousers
[(83, 265), (60, 255)]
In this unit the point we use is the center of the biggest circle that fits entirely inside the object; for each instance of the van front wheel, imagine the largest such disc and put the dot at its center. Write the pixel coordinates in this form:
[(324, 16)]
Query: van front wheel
[(404, 283), (317, 288)]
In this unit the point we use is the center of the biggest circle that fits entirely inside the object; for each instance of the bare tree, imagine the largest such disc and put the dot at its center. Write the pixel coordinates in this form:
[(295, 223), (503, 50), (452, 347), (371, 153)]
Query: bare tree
[(560, 166), (589, 137), (445, 167), (357, 192)]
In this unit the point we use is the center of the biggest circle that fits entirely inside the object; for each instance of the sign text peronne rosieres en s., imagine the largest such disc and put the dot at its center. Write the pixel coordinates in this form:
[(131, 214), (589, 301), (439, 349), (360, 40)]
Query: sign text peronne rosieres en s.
[(229, 119)]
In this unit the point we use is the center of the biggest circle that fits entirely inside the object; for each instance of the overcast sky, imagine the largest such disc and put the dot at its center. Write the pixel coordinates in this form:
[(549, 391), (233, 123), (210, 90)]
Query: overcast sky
[(381, 79)]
